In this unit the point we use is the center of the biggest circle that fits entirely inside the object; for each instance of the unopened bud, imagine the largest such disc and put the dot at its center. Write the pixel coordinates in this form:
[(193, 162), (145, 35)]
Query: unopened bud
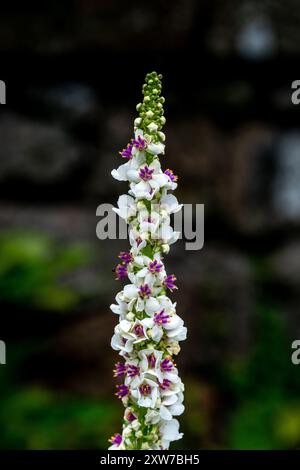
[(137, 122), (152, 127), (136, 425), (145, 236), (140, 205), (162, 136), (127, 431)]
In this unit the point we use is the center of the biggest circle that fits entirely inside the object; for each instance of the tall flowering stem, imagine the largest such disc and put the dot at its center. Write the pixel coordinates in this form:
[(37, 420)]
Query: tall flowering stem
[(149, 329)]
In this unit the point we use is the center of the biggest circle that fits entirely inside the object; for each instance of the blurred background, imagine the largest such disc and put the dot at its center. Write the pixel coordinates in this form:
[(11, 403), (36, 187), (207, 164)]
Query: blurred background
[(74, 71)]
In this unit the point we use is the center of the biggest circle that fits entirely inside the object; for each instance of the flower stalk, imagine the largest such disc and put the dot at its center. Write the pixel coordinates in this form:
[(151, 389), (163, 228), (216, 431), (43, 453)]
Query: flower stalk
[(149, 329)]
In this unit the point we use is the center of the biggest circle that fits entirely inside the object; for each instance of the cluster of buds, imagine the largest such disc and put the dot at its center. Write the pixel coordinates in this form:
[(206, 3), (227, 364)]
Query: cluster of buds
[(149, 329)]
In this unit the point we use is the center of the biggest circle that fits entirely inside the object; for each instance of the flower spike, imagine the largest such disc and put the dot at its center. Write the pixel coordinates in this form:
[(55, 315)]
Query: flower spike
[(149, 329)]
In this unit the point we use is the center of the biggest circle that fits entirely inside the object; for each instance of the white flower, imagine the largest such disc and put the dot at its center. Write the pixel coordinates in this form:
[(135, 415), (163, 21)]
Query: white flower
[(173, 328), (120, 308), (146, 393), (152, 417), (169, 203), (122, 340), (151, 183), (171, 403), (151, 147), (149, 222), (136, 242), (139, 331), (167, 234), (132, 294), (177, 408), (153, 272), (170, 432), (156, 149), (128, 171), (150, 360), (126, 207)]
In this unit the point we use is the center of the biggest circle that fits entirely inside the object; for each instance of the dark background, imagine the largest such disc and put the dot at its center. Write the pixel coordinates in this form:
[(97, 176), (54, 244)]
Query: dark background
[(74, 72)]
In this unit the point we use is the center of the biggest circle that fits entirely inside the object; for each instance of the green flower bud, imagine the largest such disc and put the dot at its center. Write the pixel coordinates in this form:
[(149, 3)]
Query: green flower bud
[(152, 127)]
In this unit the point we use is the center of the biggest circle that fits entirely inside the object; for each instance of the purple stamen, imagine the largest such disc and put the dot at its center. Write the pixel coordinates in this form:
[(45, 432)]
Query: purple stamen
[(151, 360), (130, 417), (171, 175), (165, 384), (121, 271), (116, 439), (139, 143), (139, 330), (169, 282), (145, 291), (122, 391), (155, 267), (132, 370), (125, 256), (161, 318), (127, 152), (145, 389), (166, 365), (146, 173), (120, 369)]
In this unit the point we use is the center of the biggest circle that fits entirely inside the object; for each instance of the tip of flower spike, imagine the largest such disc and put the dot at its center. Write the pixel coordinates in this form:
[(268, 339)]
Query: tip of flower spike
[(151, 112), (151, 75)]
